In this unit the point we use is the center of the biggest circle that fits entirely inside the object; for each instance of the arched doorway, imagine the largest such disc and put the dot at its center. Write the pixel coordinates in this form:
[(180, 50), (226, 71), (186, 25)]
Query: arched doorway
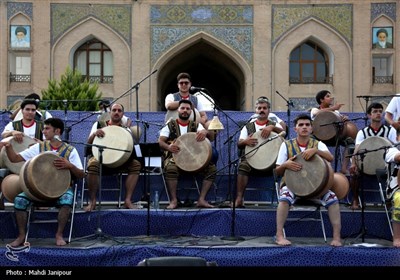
[(210, 69)]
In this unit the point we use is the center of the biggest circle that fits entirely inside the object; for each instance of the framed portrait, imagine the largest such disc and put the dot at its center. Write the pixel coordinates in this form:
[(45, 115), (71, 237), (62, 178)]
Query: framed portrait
[(382, 37), (20, 36)]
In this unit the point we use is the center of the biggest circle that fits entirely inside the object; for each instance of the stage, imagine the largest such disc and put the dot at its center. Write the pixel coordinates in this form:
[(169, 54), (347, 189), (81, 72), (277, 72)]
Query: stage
[(129, 236)]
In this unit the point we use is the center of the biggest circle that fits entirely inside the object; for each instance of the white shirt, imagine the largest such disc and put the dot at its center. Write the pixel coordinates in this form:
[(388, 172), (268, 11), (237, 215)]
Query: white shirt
[(244, 134), (170, 98), (28, 131), (283, 154), (394, 107), (183, 129), (34, 150)]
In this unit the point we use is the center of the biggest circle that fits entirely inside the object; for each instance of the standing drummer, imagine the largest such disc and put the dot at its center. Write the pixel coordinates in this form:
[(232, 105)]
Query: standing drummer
[(325, 101), (375, 128), (168, 134), (305, 146), (132, 166), (69, 159), (172, 100), (266, 126)]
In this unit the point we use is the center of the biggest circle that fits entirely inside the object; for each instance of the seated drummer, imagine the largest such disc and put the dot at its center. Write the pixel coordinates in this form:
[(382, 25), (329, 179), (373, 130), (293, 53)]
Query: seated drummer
[(266, 126), (132, 166), (308, 147), (168, 134), (69, 159), (325, 101)]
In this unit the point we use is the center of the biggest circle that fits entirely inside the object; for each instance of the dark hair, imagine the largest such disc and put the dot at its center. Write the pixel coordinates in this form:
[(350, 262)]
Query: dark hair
[(302, 117), (29, 102), (105, 103), (56, 123), (381, 31), (183, 76), (186, 101), (321, 95), (32, 96), (374, 105), (20, 29)]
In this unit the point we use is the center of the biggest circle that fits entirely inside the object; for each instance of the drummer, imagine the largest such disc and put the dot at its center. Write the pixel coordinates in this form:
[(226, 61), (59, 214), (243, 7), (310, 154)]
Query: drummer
[(375, 128), (69, 159), (27, 126), (132, 166), (172, 100), (266, 126), (104, 109), (325, 103), (168, 134), (308, 147)]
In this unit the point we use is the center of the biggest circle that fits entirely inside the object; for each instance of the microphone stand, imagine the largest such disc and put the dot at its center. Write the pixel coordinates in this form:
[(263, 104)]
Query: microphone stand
[(146, 185), (289, 104), (363, 229), (99, 232), (233, 236)]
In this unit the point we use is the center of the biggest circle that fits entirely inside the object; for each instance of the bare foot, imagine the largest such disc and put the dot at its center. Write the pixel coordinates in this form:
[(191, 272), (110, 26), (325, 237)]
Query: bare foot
[(396, 242), (355, 205), (60, 241), (204, 204), (282, 241), (18, 242), (336, 243), (91, 206), (172, 205), (130, 205)]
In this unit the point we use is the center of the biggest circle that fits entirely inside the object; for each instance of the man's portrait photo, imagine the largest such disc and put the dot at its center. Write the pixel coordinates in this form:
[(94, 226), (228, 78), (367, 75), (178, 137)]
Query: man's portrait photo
[(382, 37), (20, 36)]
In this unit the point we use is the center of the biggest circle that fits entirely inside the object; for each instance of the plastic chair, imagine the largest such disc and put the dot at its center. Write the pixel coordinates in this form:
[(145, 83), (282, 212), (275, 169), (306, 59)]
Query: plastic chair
[(381, 175), (307, 205)]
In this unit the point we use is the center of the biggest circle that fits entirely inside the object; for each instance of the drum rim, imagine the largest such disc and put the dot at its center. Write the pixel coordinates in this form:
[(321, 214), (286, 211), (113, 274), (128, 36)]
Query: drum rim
[(372, 139), (317, 130)]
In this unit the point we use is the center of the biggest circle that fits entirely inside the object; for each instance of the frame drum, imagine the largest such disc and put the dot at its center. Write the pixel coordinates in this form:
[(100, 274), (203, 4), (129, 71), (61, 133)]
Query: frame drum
[(372, 160), (11, 187), (193, 155), (15, 167), (313, 180), (41, 180), (323, 127), (115, 137), (263, 156)]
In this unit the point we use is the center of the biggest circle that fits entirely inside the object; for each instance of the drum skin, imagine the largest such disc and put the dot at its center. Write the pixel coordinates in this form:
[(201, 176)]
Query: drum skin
[(41, 180), (116, 137), (263, 156), (313, 180), (193, 155), (372, 160)]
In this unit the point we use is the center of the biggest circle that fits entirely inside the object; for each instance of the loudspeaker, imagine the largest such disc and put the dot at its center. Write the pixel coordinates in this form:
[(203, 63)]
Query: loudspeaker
[(176, 261)]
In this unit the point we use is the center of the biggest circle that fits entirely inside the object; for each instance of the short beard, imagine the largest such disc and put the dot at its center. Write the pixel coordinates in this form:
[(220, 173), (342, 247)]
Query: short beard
[(185, 118)]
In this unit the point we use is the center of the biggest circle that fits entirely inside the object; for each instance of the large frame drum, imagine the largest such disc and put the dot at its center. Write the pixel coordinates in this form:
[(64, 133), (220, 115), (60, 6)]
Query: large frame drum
[(263, 156), (41, 180), (193, 155), (372, 160), (313, 180), (15, 167), (115, 137)]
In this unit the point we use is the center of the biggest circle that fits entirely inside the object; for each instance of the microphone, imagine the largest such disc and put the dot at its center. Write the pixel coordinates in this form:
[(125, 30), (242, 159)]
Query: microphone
[(197, 89), (281, 134), (57, 137)]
